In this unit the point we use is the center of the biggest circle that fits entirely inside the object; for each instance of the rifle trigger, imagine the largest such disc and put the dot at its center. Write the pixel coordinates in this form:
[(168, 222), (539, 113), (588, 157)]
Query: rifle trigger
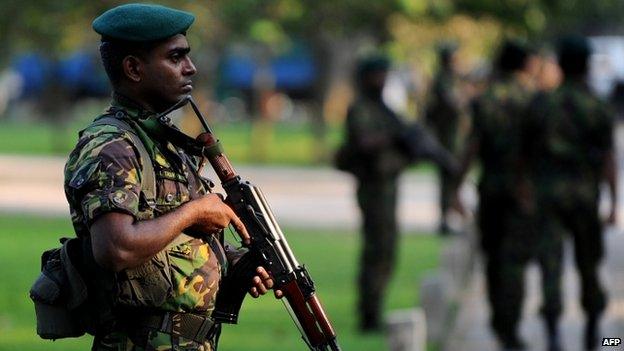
[(254, 215)]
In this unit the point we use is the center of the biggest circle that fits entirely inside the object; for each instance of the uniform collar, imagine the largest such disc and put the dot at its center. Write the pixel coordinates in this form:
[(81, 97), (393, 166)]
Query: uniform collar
[(133, 109), (160, 128)]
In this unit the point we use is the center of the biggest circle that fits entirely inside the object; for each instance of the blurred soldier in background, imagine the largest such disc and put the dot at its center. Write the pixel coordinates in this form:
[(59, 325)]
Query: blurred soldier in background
[(571, 144), (617, 99), (443, 117), (373, 133), (505, 209), (378, 146)]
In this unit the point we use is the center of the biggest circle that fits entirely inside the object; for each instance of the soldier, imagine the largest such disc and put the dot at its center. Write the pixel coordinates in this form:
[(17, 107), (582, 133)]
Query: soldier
[(505, 208), (379, 145), (442, 118), (570, 141), (153, 231), (372, 133)]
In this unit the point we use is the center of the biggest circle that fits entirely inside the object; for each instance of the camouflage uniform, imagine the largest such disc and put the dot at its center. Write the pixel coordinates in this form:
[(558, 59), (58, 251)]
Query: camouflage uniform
[(570, 134), (506, 216), (103, 174), (442, 117), (378, 167)]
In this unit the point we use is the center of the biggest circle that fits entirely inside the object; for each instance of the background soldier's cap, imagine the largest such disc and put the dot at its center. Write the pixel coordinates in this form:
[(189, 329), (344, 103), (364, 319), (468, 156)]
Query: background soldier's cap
[(574, 45), (142, 22), (512, 55), (371, 64)]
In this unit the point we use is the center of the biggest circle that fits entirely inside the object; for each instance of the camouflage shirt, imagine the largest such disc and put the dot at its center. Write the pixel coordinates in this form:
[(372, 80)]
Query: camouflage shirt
[(568, 136), (103, 174), (499, 115)]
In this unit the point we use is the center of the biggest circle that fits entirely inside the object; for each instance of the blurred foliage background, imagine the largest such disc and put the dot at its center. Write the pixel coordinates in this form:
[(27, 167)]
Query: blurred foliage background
[(267, 63), (275, 81)]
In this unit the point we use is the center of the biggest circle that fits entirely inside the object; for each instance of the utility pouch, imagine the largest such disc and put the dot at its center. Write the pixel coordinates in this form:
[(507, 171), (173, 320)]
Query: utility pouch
[(58, 294), (148, 285)]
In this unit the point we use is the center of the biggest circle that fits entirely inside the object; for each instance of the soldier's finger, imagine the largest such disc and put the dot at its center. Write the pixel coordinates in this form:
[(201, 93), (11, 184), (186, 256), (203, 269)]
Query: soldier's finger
[(240, 228), (261, 289), (278, 294), (257, 281), (266, 278), (254, 292), (262, 273)]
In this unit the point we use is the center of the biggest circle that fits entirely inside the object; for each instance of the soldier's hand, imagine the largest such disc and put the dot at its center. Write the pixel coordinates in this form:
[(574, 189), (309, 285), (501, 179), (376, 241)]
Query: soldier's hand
[(262, 283), (211, 214)]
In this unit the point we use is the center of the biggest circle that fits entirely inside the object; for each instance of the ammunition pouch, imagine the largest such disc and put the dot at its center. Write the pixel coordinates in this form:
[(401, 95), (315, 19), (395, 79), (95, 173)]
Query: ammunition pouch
[(59, 293), (148, 285)]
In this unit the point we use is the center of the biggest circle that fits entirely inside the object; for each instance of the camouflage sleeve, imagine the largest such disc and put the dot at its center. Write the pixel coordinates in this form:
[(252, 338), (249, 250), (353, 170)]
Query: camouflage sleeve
[(108, 179)]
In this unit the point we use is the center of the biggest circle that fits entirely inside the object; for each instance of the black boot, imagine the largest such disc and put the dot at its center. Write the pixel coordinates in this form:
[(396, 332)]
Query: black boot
[(553, 334), (370, 323), (591, 332)]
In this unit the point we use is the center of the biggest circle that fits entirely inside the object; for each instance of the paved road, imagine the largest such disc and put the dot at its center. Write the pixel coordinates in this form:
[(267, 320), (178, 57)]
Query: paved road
[(472, 331), (309, 197)]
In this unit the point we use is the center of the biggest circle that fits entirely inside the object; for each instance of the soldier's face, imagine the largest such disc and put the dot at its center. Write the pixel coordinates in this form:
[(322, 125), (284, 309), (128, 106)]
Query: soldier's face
[(167, 73)]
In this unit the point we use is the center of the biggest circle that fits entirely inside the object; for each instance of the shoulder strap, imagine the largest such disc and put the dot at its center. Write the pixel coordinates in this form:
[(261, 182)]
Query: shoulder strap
[(148, 175)]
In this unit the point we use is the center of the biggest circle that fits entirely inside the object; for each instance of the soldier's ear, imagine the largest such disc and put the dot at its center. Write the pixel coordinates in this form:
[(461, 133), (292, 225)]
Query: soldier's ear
[(132, 68)]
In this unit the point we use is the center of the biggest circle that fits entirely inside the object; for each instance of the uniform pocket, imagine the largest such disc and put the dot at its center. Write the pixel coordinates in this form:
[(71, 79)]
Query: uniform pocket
[(172, 188), (148, 285)]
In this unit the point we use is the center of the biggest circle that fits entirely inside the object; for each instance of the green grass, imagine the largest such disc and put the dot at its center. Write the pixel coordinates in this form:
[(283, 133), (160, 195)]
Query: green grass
[(283, 143), (286, 143), (331, 259)]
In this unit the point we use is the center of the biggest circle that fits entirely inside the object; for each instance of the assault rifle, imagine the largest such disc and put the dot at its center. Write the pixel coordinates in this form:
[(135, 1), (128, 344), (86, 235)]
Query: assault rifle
[(268, 248)]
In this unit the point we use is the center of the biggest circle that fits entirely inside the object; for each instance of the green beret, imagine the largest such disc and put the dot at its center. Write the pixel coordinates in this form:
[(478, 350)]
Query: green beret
[(142, 22)]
